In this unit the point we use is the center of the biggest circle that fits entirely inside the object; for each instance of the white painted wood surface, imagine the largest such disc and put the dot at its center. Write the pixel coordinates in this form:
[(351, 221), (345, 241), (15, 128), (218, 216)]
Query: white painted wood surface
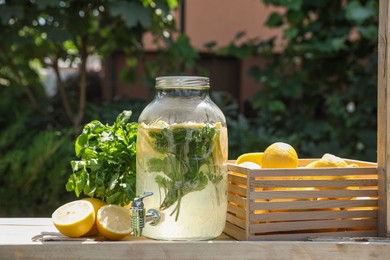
[(20, 239)]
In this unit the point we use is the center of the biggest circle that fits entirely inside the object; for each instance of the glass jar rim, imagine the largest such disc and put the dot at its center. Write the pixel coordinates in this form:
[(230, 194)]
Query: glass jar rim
[(183, 82)]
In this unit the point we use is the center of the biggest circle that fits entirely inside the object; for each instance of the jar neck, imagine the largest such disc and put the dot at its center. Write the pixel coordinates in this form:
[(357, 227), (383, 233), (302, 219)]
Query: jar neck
[(182, 93), (182, 86)]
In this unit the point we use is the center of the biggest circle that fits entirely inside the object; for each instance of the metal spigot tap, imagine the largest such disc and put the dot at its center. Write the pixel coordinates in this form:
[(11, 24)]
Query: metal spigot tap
[(138, 216)]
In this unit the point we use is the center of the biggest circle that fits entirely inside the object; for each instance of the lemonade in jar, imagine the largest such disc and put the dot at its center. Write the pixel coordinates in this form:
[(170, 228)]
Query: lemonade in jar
[(181, 158)]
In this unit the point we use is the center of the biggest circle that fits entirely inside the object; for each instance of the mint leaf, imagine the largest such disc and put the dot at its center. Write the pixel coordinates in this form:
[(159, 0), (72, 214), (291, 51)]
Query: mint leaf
[(106, 168)]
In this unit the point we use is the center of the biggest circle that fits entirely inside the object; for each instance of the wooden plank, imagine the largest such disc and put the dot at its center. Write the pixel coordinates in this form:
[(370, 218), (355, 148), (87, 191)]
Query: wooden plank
[(274, 194), (247, 212), (200, 250), (302, 162), (310, 183), (383, 144), (237, 179), (18, 243), (360, 163), (337, 236), (236, 210), (236, 199), (235, 231), (310, 225), (365, 169), (312, 215), (236, 221), (237, 190), (372, 170), (292, 205)]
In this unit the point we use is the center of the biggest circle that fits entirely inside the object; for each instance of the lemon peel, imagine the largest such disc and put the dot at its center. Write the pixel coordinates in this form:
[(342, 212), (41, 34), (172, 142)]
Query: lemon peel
[(280, 155)]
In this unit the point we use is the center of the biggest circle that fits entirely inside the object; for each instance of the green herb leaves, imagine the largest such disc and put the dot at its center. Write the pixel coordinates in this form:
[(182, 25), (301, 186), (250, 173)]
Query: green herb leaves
[(106, 169), (188, 161)]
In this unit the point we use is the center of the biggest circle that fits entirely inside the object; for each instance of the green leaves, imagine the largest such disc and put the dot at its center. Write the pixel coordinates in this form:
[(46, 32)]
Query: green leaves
[(328, 61), (188, 162), (274, 20), (132, 12), (106, 169), (358, 13)]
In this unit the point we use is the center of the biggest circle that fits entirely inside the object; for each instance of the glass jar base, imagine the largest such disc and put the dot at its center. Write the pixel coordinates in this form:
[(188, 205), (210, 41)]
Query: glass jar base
[(182, 238)]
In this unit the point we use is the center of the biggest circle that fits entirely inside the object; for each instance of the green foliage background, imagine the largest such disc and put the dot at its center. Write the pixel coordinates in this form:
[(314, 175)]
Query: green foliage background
[(318, 94)]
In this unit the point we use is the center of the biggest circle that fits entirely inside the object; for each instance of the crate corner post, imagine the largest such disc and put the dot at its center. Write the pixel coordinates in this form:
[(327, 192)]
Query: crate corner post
[(383, 118)]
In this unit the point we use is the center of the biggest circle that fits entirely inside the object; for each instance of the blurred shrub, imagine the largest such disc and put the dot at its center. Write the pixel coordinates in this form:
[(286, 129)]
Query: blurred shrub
[(36, 130), (319, 93)]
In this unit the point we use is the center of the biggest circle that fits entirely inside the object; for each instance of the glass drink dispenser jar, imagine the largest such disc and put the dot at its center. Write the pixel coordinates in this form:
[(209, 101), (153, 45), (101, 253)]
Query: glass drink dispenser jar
[(181, 159)]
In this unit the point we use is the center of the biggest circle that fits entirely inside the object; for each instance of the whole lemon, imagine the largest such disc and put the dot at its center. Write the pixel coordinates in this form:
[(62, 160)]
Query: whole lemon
[(250, 157), (328, 160), (280, 155)]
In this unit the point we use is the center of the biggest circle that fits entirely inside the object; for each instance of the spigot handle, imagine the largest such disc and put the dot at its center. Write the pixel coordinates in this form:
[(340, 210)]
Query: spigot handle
[(138, 202), (138, 214), (145, 194)]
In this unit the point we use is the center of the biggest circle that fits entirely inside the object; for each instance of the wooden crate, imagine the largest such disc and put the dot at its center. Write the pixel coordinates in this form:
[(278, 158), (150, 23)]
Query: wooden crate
[(302, 203)]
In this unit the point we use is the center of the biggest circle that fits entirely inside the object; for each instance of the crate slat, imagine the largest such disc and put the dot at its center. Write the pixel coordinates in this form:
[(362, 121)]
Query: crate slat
[(312, 215), (369, 171), (235, 231), (310, 183), (238, 179), (236, 210), (302, 194), (237, 199), (237, 189), (310, 225), (316, 204), (235, 220)]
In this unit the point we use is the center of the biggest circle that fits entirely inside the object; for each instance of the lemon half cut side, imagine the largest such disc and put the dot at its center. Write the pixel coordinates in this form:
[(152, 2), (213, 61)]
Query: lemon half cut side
[(114, 222), (74, 219)]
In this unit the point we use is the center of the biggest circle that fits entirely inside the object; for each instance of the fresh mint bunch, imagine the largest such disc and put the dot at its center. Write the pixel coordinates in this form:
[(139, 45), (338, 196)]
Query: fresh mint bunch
[(107, 166)]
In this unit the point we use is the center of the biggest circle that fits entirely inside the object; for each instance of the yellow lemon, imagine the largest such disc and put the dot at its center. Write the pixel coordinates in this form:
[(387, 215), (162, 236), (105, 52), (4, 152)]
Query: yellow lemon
[(97, 204), (114, 222), (250, 165), (74, 219), (328, 160), (280, 155), (250, 157)]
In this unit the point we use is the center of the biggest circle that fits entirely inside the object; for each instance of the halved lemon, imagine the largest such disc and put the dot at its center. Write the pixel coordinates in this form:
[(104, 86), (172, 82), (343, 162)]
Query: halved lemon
[(114, 222), (97, 204), (74, 219)]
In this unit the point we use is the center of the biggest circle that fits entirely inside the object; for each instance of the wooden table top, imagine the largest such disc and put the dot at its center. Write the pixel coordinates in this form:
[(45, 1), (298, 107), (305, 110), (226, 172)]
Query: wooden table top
[(37, 238)]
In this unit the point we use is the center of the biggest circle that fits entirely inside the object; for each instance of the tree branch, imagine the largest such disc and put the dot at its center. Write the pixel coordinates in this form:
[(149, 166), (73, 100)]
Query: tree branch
[(82, 83), (61, 88)]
